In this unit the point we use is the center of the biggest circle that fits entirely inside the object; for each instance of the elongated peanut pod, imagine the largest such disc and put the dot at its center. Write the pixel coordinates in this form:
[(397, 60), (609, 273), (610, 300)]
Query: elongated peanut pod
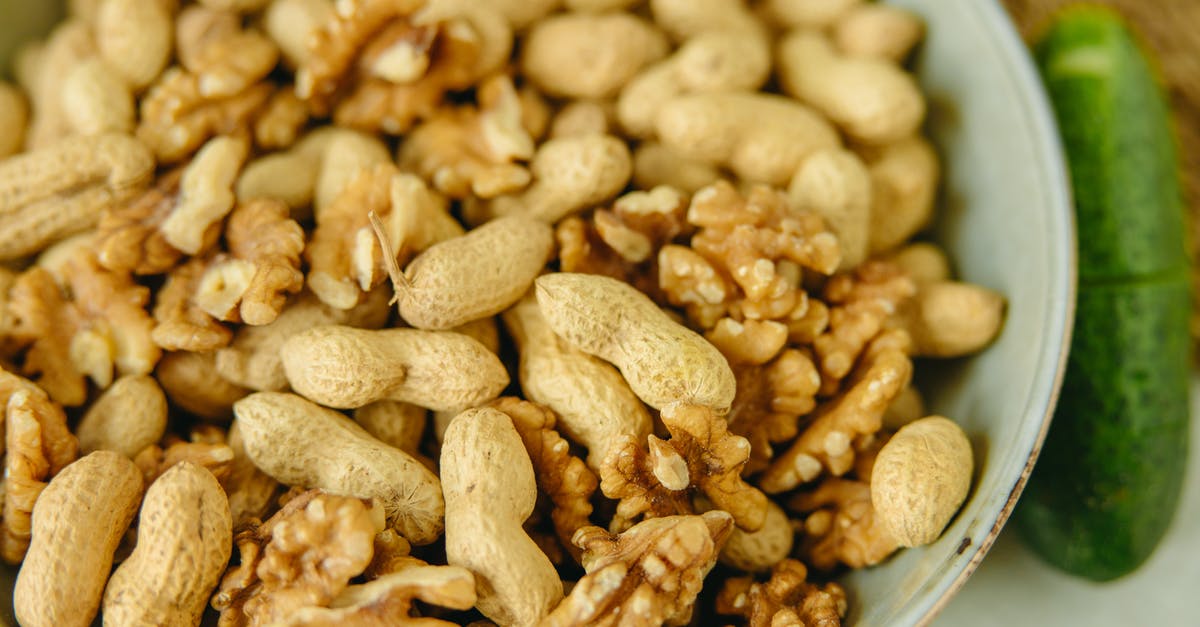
[(59, 190), (762, 138), (301, 443), (345, 367), (129, 416), (185, 537), (874, 101), (490, 491), (570, 174), (476, 275), (594, 403), (79, 520), (663, 361), (920, 478), (951, 318)]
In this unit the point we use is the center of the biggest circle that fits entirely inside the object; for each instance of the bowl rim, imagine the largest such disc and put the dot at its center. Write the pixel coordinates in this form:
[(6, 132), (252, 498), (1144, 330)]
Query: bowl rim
[(1052, 158)]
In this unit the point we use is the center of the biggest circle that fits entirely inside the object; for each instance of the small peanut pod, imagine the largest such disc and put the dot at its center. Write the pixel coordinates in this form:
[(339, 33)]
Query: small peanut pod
[(57, 191), (570, 174), (594, 404), (345, 367), (134, 37), (904, 178), (757, 551), (301, 443), (399, 425), (654, 164), (872, 100), (490, 491), (835, 185), (185, 537), (923, 262), (253, 361), (191, 381), (589, 56), (475, 275), (763, 138), (710, 62), (684, 19), (129, 416), (78, 522), (96, 100), (920, 478), (951, 319), (291, 23), (663, 361), (14, 115), (878, 30)]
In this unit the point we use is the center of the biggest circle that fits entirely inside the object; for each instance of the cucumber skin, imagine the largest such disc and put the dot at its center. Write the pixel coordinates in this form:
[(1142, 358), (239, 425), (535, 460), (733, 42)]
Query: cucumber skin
[(1110, 473), (1124, 169), (1109, 476)]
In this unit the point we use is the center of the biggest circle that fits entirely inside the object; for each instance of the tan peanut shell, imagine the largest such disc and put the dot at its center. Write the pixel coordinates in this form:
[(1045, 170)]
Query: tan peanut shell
[(709, 62), (251, 491), (78, 522), (757, 551), (904, 178), (489, 485), (951, 318), (663, 361), (685, 19), (594, 403), (95, 99), (570, 174), (872, 100), (878, 30), (252, 360), (60, 190), (589, 56), (191, 381), (763, 138), (129, 416), (135, 38), (476, 275), (396, 424), (301, 443), (345, 367), (185, 537), (920, 478), (835, 185)]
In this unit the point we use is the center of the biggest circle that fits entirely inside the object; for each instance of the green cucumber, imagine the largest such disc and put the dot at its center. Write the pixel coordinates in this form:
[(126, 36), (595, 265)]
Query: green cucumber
[(1109, 476)]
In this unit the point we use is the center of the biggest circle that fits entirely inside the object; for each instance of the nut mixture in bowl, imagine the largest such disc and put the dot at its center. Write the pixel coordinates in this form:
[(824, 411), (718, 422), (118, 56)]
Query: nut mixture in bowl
[(657, 305)]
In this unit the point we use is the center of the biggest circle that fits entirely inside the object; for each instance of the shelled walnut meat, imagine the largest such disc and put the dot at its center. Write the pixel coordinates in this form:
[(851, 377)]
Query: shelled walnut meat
[(446, 311)]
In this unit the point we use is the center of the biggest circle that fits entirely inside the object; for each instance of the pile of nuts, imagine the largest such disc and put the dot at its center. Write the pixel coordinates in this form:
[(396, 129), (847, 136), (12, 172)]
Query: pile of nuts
[(656, 310)]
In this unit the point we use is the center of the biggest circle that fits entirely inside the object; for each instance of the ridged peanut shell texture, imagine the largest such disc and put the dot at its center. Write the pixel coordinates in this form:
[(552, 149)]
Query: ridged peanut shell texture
[(301, 443), (920, 478), (345, 367), (476, 275), (490, 491), (78, 522), (185, 537), (663, 361)]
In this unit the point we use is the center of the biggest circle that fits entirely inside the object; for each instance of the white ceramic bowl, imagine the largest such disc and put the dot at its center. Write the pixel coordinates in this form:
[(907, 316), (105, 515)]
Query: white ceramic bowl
[(1005, 218)]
